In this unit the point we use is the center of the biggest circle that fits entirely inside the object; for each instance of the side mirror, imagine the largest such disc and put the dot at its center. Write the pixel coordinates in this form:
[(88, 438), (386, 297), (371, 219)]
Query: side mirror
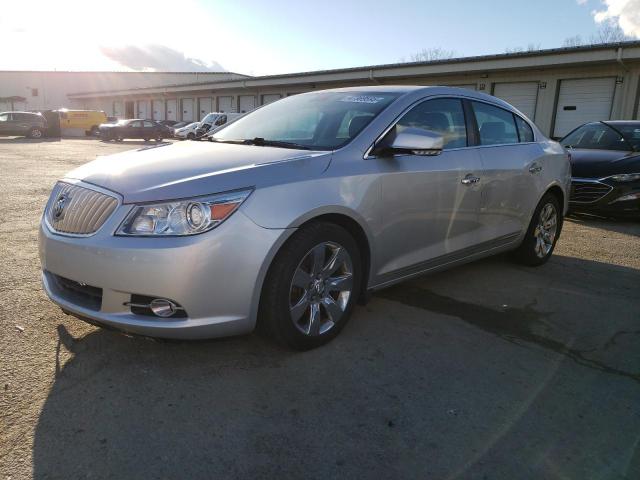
[(414, 141)]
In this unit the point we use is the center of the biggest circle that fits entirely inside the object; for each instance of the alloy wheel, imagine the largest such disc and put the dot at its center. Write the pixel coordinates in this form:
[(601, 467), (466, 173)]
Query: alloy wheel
[(546, 230), (320, 289)]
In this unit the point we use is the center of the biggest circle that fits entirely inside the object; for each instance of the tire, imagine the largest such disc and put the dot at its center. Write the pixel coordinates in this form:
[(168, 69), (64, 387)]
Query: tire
[(542, 234), (146, 139), (36, 132), (94, 131), (298, 307), (159, 139), (190, 136)]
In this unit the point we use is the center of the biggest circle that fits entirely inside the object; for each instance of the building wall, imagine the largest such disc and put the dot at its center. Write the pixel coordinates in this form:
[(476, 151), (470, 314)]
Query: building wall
[(624, 104), (49, 90)]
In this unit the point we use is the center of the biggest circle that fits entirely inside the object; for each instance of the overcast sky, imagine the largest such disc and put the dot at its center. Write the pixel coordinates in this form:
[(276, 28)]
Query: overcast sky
[(280, 36)]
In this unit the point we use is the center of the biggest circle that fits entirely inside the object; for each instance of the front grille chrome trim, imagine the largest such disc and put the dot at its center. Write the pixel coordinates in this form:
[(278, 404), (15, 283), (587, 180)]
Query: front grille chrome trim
[(88, 210)]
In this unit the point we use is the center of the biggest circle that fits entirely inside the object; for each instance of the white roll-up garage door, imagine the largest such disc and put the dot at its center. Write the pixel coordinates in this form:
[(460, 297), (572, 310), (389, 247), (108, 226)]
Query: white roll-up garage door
[(187, 109), (158, 109), (172, 110), (225, 104), (143, 109), (522, 95), (270, 97), (581, 101), (205, 106), (247, 103)]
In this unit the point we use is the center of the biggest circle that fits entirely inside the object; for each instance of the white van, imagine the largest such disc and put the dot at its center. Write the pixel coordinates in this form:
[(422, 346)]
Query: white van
[(216, 119)]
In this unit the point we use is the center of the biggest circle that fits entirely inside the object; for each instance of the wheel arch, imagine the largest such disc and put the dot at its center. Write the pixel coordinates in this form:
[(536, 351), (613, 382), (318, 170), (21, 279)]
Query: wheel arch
[(346, 221)]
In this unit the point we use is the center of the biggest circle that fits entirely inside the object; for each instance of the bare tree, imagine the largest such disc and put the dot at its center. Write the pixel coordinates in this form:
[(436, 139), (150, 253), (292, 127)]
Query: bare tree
[(574, 41), (532, 47), (431, 54), (609, 32)]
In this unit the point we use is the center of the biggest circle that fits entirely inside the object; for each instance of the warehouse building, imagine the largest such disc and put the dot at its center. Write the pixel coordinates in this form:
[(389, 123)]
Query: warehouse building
[(38, 90), (557, 88)]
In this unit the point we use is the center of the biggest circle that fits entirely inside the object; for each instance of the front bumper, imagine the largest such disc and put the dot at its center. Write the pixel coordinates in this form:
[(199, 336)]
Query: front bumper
[(216, 276), (605, 197)]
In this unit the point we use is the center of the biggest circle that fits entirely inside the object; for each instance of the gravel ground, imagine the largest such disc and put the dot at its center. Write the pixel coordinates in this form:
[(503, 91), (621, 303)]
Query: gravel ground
[(488, 371)]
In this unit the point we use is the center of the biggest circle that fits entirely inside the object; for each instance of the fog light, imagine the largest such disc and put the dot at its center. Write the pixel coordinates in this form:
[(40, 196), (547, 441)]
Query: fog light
[(162, 307)]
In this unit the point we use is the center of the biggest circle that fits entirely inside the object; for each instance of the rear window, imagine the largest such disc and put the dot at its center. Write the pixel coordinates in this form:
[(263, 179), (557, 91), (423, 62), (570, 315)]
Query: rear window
[(496, 125), (524, 130)]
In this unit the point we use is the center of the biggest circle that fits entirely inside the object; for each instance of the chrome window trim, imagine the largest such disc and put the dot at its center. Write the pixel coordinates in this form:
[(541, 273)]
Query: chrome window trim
[(88, 186), (367, 154)]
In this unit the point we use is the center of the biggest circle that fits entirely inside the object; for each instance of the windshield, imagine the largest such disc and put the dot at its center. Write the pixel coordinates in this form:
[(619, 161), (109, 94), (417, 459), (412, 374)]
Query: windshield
[(123, 122), (602, 136), (322, 121)]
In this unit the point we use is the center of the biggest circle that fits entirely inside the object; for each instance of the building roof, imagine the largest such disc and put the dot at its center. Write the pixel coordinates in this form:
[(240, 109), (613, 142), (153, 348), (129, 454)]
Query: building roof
[(547, 58)]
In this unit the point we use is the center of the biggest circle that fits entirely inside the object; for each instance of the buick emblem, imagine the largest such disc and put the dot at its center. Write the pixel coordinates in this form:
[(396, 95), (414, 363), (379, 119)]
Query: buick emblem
[(59, 204)]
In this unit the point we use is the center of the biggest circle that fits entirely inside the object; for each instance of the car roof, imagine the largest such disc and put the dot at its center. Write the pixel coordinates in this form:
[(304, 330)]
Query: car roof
[(20, 111), (622, 122), (419, 90)]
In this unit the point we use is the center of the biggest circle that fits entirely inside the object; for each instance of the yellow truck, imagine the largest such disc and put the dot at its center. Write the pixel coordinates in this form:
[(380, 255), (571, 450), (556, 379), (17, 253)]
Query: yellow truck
[(81, 120)]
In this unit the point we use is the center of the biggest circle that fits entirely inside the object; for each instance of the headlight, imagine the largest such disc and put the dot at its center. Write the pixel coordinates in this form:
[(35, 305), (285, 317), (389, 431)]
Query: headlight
[(625, 177), (183, 217)]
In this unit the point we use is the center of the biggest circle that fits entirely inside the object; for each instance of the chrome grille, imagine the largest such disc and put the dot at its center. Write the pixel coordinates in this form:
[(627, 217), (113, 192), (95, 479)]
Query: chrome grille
[(77, 210), (583, 191)]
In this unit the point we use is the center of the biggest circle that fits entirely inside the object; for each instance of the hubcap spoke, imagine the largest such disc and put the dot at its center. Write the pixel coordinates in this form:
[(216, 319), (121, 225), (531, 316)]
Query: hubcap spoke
[(299, 308), (314, 319), (335, 262), (318, 259), (545, 232), (333, 309), (339, 284)]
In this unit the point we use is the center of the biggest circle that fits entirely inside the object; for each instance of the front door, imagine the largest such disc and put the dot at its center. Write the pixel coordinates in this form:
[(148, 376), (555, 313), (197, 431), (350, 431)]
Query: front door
[(429, 204), (5, 124)]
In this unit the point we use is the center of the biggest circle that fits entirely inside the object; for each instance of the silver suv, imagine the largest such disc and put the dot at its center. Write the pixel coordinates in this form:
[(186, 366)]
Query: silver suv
[(288, 216)]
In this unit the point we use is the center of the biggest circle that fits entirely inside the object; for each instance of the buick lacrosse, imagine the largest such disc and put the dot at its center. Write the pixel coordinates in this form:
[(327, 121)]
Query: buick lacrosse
[(290, 215)]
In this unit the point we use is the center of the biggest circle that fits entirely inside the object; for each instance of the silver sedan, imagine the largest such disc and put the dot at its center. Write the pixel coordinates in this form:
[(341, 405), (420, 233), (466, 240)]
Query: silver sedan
[(290, 215)]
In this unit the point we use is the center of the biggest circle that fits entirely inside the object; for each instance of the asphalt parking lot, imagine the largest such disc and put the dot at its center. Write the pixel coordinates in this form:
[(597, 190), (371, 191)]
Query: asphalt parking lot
[(488, 371)]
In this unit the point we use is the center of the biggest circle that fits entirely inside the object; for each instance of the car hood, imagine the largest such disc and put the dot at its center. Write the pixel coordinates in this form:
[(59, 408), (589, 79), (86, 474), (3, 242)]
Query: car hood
[(587, 163), (167, 172)]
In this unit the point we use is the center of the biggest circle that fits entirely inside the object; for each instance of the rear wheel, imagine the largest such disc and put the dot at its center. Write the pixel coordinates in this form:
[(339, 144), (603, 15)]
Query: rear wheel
[(190, 136), (542, 234), (35, 132), (312, 287)]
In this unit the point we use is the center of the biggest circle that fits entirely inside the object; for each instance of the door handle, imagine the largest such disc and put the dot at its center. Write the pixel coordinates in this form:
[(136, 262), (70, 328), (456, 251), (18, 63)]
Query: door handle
[(535, 168), (470, 180)]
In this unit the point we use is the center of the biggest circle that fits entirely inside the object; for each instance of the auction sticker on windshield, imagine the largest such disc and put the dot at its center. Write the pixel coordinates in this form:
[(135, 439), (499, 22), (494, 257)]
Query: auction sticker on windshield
[(362, 99)]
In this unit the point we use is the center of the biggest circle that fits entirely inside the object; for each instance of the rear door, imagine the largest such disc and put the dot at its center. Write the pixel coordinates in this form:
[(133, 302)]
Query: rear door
[(430, 209), (149, 129), (510, 180), (134, 129), (5, 123)]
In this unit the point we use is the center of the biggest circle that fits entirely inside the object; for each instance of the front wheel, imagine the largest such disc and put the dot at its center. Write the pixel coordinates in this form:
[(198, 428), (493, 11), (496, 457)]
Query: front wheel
[(542, 234), (35, 132), (190, 136), (312, 287)]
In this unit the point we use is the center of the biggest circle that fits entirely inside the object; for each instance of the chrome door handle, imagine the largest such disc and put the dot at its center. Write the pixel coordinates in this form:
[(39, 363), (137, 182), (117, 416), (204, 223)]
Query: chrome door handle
[(535, 168), (470, 180)]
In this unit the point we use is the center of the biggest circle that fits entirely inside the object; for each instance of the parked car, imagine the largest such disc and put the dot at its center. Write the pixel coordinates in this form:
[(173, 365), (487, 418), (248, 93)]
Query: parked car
[(605, 162), (169, 123), (215, 119), (292, 213), (32, 125), (187, 132), (180, 125), (87, 120), (133, 128)]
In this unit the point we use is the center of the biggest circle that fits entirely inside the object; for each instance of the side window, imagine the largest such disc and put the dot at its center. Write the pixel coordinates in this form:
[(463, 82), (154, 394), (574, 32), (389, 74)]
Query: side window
[(441, 115), (4, 117), (496, 125), (524, 130), (147, 124), (221, 120), (136, 124)]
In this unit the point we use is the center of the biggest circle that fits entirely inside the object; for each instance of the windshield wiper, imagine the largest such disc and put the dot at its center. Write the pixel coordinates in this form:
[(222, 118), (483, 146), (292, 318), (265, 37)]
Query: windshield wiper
[(261, 142)]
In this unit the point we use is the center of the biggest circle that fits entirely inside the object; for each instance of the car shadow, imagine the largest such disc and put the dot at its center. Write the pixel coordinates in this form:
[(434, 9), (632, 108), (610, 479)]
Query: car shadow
[(403, 390)]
